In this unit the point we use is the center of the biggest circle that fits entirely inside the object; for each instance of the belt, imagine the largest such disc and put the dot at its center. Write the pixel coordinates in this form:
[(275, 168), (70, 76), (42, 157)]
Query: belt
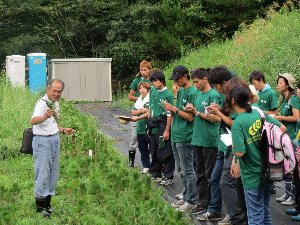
[(45, 135)]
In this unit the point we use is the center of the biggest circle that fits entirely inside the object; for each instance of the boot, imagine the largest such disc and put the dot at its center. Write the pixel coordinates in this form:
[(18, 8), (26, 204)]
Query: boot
[(48, 204), (41, 207), (131, 158)]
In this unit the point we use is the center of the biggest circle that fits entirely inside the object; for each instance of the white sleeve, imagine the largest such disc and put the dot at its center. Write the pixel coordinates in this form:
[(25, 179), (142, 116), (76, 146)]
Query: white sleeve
[(40, 108)]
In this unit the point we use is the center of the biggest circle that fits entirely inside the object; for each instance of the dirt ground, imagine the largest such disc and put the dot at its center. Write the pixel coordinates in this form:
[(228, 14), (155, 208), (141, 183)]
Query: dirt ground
[(110, 125)]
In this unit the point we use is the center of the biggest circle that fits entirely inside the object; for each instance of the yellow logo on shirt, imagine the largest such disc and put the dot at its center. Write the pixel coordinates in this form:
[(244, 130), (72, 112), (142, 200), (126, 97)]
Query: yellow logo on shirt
[(255, 127)]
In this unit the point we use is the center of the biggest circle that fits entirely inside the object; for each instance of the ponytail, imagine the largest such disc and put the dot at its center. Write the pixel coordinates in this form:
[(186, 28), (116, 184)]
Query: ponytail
[(248, 108)]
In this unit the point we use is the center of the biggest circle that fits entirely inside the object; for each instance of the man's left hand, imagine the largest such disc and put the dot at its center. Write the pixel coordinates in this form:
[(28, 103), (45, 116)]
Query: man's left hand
[(69, 131)]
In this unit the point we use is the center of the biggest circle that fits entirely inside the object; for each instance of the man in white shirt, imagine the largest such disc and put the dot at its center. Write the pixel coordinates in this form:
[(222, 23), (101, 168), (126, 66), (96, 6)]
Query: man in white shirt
[(46, 146)]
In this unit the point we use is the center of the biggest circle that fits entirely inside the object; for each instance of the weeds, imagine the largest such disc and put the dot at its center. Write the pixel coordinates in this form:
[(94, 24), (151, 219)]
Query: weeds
[(98, 190)]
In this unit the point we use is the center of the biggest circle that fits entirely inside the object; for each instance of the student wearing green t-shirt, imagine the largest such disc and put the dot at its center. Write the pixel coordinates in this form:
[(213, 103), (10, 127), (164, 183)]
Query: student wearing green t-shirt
[(141, 106), (289, 115), (224, 187), (267, 97), (181, 135), (133, 95), (205, 135), (160, 130), (295, 212), (246, 133)]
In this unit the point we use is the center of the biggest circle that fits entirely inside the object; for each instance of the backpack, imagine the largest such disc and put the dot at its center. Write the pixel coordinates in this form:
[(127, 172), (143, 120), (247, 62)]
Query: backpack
[(278, 151), (27, 141)]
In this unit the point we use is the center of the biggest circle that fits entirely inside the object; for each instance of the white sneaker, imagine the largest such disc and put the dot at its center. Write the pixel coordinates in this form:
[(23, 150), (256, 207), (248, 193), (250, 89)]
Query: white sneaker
[(186, 207), (177, 204), (145, 171), (289, 201), (225, 221), (282, 198), (179, 196)]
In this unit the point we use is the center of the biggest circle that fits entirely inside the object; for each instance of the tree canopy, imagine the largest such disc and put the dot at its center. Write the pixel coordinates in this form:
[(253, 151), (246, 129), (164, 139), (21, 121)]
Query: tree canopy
[(127, 31)]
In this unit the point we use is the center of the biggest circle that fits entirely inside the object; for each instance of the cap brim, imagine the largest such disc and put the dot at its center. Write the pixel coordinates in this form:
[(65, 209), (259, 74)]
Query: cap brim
[(173, 77)]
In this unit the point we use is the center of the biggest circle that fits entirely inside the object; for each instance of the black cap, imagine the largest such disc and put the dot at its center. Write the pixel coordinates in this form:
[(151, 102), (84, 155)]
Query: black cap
[(178, 71)]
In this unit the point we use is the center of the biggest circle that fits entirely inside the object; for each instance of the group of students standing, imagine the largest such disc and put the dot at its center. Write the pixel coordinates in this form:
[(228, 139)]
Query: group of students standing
[(183, 127)]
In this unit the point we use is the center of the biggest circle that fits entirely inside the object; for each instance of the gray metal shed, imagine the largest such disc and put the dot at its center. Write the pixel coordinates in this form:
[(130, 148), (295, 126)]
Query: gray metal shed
[(84, 78)]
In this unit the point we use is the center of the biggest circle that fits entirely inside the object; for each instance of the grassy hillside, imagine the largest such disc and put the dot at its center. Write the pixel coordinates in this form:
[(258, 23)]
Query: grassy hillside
[(271, 45), (101, 190)]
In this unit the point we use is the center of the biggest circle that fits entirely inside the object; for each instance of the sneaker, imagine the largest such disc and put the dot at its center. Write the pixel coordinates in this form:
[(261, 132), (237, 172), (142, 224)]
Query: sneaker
[(282, 198), (186, 207), (177, 204), (296, 218), (145, 171), (166, 181), (225, 220), (292, 212), (209, 216), (289, 201), (179, 196), (156, 179), (198, 209)]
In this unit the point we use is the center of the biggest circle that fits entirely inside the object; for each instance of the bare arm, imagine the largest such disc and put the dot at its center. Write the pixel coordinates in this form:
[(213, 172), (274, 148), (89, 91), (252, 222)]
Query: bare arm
[(40, 119), (185, 115), (293, 118), (131, 96), (137, 112)]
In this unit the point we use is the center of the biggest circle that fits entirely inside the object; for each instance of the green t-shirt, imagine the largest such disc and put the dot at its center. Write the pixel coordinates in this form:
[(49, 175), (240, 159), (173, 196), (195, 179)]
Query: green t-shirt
[(135, 83), (157, 97), (205, 133), (267, 99), (298, 133), (286, 110), (141, 125), (246, 134), (182, 130)]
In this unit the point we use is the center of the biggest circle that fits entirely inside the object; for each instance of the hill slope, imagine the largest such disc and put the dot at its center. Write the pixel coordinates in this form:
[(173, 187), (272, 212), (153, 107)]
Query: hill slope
[(271, 45)]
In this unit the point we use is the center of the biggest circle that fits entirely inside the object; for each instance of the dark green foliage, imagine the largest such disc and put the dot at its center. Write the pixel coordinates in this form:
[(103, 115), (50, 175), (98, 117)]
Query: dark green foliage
[(127, 31)]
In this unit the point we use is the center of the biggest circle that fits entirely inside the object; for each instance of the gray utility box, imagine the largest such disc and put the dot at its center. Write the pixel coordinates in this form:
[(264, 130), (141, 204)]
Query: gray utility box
[(85, 79)]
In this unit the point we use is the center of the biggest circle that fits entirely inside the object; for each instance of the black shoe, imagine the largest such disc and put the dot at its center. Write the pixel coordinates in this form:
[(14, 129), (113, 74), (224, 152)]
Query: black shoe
[(210, 216), (198, 209), (48, 204), (131, 157), (41, 207)]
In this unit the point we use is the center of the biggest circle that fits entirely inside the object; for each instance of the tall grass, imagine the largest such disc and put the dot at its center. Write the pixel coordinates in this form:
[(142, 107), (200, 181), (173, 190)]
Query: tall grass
[(271, 45), (98, 190)]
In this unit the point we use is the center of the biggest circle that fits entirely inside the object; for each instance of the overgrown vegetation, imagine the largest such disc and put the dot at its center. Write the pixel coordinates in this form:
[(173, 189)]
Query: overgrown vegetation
[(271, 45), (101, 190)]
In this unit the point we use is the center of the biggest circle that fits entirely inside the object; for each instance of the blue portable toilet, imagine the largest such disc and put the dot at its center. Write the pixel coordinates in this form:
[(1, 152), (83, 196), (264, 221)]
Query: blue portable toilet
[(37, 71)]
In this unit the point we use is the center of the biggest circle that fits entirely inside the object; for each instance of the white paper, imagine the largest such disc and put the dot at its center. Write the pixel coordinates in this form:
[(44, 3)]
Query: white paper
[(90, 153), (227, 138)]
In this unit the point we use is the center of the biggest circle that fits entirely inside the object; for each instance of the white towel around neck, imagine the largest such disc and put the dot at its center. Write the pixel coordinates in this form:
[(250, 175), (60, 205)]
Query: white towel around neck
[(140, 102)]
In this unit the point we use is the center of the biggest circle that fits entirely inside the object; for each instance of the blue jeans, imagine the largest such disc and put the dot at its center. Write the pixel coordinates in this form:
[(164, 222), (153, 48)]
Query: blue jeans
[(188, 175), (215, 204), (46, 151), (258, 205)]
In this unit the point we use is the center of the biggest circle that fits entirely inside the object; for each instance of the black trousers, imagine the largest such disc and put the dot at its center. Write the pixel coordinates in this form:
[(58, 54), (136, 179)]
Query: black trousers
[(297, 185), (162, 158), (206, 159), (143, 144)]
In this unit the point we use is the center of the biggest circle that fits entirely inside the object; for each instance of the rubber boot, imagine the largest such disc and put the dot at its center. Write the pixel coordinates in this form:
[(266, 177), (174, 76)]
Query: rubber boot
[(48, 204), (41, 207), (131, 158)]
